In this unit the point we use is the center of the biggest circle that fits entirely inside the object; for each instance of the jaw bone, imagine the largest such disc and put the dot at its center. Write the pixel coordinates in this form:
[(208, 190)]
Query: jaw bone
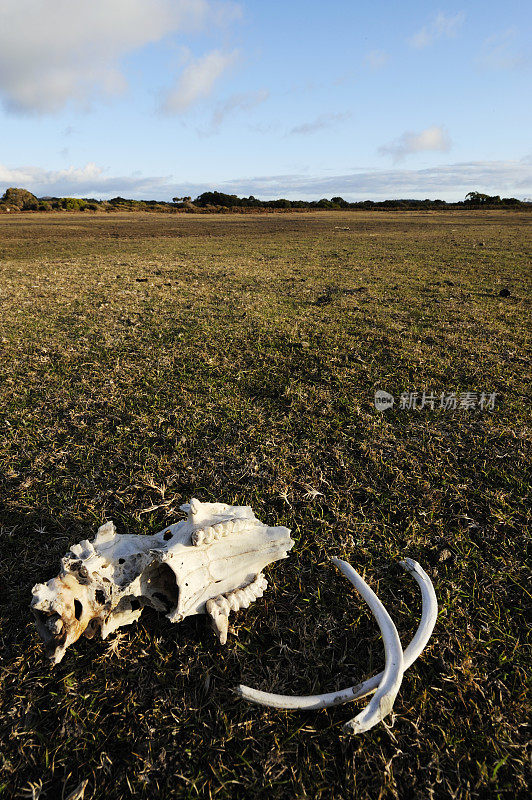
[(209, 563)]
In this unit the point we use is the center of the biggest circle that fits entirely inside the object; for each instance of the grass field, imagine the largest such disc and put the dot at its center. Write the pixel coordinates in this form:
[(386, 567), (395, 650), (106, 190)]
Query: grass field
[(147, 359)]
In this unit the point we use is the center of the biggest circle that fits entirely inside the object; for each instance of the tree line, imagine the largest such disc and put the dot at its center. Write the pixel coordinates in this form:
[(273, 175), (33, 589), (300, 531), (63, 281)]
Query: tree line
[(221, 200), (22, 200)]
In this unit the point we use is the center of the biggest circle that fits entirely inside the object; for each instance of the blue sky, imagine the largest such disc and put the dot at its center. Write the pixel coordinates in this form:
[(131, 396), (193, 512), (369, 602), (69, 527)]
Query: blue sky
[(157, 98)]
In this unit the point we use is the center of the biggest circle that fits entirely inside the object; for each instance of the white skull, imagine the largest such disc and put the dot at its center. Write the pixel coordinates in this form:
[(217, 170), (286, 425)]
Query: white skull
[(210, 563)]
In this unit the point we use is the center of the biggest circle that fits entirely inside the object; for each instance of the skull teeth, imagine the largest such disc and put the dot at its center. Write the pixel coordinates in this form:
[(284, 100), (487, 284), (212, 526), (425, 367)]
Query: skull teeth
[(219, 607), (221, 626), (219, 530)]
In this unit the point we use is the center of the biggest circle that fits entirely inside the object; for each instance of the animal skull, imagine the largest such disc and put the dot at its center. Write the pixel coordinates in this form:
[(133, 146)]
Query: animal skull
[(209, 563)]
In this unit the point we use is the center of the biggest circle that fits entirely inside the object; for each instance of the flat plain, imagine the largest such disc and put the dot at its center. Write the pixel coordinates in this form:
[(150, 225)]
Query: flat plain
[(147, 359)]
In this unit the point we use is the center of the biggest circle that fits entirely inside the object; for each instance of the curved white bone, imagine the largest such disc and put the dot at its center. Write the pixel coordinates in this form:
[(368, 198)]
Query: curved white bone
[(382, 701), (429, 613)]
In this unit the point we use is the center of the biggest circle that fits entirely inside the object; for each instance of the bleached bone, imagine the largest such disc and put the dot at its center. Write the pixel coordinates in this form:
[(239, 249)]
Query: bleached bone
[(219, 607), (217, 554), (429, 613), (381, 703)]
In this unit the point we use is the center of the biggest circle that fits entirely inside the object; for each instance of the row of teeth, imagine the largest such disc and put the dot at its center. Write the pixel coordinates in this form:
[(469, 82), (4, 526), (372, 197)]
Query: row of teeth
[(218, 531), (219, 607), (239, 598)]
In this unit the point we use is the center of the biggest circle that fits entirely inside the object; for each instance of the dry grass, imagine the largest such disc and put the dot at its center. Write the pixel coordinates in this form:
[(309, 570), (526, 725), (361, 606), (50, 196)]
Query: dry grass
[(150, 358)]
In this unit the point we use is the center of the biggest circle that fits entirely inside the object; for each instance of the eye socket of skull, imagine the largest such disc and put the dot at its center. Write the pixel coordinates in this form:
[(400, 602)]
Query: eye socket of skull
[(159, 585), (78, 608)]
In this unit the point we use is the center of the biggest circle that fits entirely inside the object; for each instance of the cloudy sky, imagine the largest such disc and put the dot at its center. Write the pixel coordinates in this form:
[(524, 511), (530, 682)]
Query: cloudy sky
[(285, 98)]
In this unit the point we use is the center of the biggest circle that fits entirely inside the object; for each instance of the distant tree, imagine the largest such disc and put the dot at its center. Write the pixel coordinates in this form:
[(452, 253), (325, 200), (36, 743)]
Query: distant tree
[(72, 204), (281, 203), (19, 198), (120, 201), (479, 198), (217, 199)]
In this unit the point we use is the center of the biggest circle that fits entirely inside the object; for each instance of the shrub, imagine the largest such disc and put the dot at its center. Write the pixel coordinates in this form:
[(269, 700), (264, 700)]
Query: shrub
[(72, 204), (18, 198)]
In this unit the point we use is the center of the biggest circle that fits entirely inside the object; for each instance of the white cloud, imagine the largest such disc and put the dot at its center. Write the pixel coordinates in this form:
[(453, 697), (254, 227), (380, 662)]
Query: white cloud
[(55, 51), (377, 59), (442, 26), (41, 179), (235, 104), (447, 182), (197, 80), (434, 138), (451, 182), (320, 123), (501, 52)]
